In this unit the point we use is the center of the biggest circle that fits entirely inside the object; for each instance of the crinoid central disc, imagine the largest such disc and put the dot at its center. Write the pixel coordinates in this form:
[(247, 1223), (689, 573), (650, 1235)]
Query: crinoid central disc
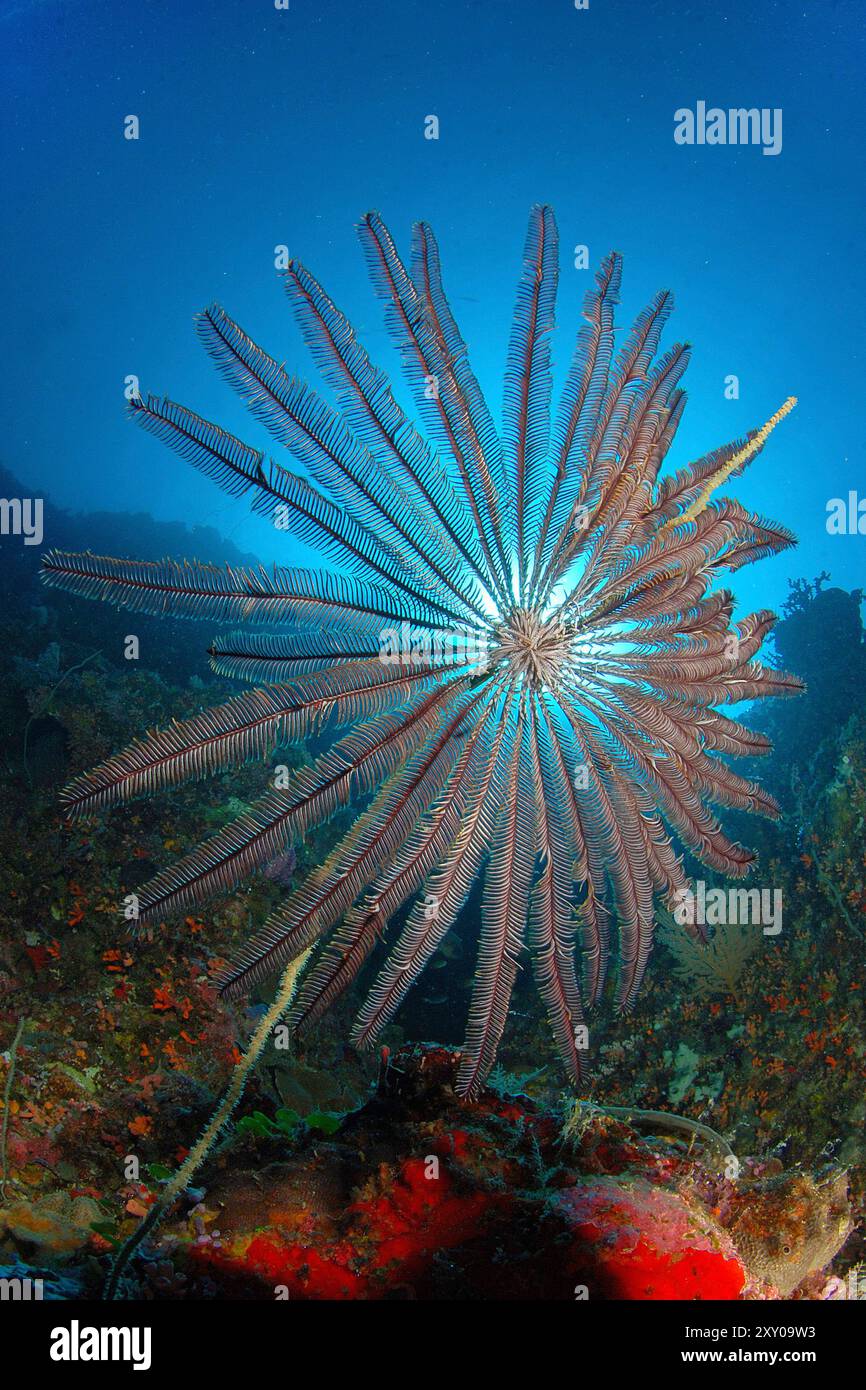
[(534, 647)]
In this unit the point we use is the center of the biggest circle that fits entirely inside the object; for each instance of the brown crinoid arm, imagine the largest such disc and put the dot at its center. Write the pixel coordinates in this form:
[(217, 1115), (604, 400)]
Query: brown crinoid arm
[(190, 589), (504, 911), (447, 888), (584, 390), (421, 852), (528, 385), (552, 917), (376, 419), (352, 767), (246, 727), (442, 397), (374, 840)]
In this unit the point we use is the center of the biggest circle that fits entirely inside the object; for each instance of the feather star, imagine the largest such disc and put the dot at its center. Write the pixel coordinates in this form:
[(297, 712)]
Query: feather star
[(517, 656)]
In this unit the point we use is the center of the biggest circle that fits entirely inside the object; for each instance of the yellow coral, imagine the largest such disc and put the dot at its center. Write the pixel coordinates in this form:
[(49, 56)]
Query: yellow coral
[(221, 1116), (713, 967), (740, 457)]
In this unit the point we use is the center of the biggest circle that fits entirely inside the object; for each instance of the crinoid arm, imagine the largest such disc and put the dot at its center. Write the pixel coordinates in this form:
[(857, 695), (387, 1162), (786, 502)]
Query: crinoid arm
[(518, 648)]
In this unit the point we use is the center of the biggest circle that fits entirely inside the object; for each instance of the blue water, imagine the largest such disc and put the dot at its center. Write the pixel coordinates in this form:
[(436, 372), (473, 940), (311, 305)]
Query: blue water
[(261, 127)]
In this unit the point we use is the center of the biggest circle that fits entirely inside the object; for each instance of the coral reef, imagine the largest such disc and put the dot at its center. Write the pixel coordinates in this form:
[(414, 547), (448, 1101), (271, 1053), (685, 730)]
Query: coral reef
[(417, 1195), (114, 1049)]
